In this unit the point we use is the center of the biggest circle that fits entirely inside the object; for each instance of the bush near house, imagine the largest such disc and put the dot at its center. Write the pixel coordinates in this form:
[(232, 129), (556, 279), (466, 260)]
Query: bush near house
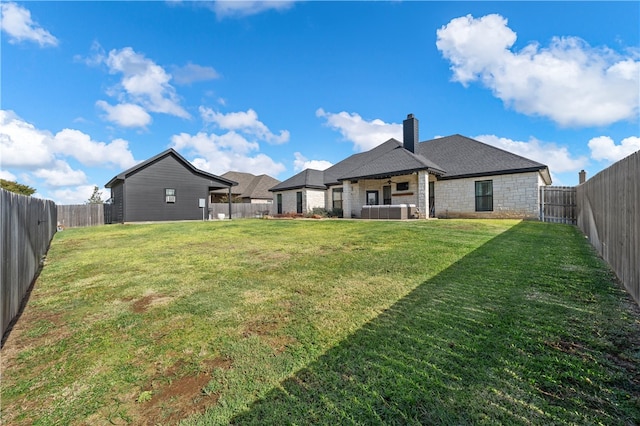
[(326, 322)]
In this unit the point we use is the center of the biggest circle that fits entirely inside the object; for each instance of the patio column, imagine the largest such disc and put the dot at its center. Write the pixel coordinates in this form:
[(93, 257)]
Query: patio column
[(346, 199), (423, 194)]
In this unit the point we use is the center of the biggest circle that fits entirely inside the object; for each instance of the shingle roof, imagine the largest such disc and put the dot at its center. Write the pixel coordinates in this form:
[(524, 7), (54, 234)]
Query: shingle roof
[(250, 185), (449, 157), (396, 161), (338, 170), (308, 178), (169, 152), (461, 156)]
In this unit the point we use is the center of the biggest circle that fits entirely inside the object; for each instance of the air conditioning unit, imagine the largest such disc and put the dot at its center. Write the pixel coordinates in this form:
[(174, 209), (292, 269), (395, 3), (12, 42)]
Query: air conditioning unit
[(171, 198)]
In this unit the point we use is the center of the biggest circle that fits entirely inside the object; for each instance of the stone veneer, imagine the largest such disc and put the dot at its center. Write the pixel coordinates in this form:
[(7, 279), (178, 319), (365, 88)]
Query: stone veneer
[(514, 196), (311, 198)]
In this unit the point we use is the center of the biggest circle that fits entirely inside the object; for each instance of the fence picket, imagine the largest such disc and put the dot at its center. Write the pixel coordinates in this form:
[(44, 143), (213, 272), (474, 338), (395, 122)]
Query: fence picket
[(609, 215), (27, 227), (558, 204)]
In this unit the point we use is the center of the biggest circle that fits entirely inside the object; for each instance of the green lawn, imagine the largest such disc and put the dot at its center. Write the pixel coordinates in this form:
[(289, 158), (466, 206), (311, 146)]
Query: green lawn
[(326, 322)]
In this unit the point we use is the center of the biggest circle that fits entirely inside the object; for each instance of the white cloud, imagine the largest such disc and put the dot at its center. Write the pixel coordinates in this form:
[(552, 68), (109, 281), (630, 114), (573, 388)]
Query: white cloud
[(569, 81), (235, 8), (302, 163), (6, 175), (222, 153), (557, 158), (364, 134), (18, 138), (125, 115), (192, 73), (61, 174), (41, 158), (143, 82), (604, 148), (245, 122), (17, 23), (76, 195), (74, 143)]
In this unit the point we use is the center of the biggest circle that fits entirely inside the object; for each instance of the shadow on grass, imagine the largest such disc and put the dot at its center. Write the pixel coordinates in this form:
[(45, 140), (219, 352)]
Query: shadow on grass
[(527, 329)]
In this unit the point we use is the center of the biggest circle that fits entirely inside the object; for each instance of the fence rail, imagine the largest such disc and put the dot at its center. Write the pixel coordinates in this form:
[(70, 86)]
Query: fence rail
[(241, 210), (609, 215), (558, 204), (27, 227)]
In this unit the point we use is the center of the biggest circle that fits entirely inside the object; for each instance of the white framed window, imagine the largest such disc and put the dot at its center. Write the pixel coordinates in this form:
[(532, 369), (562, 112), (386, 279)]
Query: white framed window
[(170, 195)]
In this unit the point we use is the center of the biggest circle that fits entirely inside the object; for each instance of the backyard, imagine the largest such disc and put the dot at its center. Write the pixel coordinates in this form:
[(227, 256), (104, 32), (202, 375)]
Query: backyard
[(324, 322)]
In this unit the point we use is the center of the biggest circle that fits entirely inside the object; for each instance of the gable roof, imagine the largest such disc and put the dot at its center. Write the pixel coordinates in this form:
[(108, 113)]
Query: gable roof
[(308, 178), (249, 185), (173, 153), (461, 157)]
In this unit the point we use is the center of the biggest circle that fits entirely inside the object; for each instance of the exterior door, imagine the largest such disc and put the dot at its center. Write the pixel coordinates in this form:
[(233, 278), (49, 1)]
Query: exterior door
[(372, 198), (386, 195)]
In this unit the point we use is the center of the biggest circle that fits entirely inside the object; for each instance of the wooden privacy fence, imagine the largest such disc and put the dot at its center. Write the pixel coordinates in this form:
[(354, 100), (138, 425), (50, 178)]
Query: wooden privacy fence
[(28, 225), (241, 210), (609, 215), (558, 204), (81, 215)]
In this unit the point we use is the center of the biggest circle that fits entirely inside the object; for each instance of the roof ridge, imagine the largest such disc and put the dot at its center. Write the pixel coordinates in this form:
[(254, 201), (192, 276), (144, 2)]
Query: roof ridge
[(180, 158)]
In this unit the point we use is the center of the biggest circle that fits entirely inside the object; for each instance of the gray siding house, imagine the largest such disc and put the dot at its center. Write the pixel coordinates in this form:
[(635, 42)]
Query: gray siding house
[(453, 176), (164, 187)]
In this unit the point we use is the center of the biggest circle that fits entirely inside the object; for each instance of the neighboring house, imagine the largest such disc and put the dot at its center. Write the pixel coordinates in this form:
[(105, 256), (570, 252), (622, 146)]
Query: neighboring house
[(453, 176), (250, 189), (164, 187)]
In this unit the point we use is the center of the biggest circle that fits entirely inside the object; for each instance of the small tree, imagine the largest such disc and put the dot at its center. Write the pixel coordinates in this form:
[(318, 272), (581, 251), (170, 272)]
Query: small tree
[(16, 187), (96, 197)]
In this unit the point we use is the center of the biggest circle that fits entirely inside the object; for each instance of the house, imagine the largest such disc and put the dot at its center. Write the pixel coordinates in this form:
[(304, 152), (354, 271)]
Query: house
[(164, 187), (250, 189), (453, 176)]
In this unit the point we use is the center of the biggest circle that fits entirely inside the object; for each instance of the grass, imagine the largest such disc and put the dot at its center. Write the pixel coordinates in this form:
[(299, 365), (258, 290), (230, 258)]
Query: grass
[(326, 322)]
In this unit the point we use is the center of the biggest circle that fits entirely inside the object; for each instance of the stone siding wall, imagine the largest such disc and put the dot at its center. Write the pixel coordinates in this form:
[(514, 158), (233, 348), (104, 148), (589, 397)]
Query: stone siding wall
[(288, 201), (311, 198), (514, 196)]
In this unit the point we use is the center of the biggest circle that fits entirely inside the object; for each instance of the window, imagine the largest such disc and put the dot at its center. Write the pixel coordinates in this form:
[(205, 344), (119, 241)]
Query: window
[(484, 196), (299, 202), (337, 198), (402, 186), (372, 198), (170, 195), (279, 203), (432, 200)]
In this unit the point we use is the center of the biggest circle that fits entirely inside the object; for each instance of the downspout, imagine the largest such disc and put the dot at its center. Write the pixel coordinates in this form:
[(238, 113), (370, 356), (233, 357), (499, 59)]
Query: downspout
[(229, 199)]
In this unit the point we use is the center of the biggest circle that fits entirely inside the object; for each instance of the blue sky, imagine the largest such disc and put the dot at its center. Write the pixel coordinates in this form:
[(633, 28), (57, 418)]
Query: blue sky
[(90, 88)]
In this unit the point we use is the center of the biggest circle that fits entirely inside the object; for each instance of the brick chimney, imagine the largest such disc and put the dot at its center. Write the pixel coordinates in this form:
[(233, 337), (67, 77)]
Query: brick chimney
[(582, 176), (410, 133)]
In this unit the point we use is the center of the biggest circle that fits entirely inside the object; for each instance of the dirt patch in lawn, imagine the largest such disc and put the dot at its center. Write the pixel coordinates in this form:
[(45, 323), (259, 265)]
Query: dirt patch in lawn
[(143, 304), (267, 329), (174, 397)]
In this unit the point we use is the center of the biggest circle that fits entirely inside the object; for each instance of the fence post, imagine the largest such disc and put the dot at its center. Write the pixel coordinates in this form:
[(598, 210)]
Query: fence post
[(542, 203)]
